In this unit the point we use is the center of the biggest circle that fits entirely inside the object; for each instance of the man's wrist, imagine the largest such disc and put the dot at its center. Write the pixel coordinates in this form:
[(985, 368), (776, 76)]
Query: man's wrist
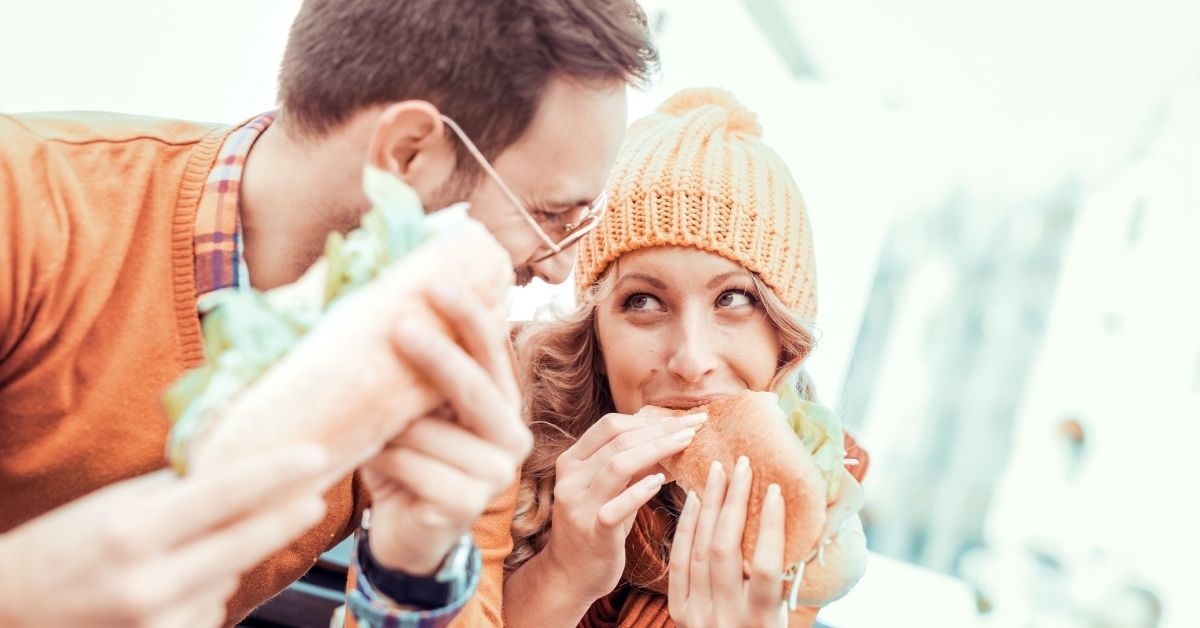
[(394, 558), (404, 588), (421, 560)]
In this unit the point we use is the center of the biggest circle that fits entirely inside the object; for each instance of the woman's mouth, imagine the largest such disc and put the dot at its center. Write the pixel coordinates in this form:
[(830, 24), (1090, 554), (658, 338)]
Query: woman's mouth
[(684, 402)]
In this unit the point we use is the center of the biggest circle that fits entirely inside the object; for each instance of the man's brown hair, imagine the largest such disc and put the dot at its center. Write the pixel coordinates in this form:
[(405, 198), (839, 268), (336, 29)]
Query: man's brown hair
[(485, 63)]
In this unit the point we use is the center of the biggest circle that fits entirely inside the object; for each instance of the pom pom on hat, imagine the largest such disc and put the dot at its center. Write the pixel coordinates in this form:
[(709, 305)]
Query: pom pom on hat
[(738, 119)]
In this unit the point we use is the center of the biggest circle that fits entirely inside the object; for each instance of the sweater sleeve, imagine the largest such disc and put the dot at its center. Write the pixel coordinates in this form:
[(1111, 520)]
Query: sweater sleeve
[(344, 505), (494, 538)]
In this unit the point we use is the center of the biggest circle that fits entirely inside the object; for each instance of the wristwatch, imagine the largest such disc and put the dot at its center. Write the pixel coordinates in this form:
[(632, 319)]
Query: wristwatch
[(424, 592)]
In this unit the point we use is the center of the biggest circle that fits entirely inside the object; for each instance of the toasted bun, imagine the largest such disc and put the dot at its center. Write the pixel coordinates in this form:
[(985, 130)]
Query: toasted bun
[(752, 425), (841, 565), (353, 407)]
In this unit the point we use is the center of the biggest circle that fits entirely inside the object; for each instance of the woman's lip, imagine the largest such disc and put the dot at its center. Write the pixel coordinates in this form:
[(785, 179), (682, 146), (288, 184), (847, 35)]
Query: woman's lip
[(684, 403)]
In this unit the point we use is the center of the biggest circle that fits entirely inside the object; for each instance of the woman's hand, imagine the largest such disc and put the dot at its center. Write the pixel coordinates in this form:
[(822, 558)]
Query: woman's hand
[(708, 586), (156, 550), (602, 481)]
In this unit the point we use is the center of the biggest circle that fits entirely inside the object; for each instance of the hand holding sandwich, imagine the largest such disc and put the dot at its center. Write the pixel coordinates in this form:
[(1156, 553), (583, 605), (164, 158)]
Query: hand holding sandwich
[(433, 481)]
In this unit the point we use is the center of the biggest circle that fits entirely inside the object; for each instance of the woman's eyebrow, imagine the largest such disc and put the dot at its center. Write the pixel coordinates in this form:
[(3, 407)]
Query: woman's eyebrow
[(646, 278), (723, 276)]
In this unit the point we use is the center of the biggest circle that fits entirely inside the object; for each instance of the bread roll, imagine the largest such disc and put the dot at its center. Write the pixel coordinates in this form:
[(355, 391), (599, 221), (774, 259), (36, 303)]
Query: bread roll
[(751, 424), (342, 385)]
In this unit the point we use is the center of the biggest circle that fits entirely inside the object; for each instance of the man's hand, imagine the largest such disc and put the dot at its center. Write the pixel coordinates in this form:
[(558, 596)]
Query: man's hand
[(434, 480), (156, 550)]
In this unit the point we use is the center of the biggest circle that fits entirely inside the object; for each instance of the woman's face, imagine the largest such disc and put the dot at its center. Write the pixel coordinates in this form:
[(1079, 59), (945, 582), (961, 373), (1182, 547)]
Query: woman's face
[(681, 328)]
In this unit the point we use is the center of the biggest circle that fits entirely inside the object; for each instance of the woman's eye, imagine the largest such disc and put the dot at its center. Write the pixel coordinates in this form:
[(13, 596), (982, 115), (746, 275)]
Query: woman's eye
[(734, 298), (642, 302)]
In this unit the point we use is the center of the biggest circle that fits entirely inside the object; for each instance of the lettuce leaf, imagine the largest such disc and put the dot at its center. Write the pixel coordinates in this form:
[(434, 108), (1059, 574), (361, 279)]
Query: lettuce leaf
[(246, 331), (820, 430)]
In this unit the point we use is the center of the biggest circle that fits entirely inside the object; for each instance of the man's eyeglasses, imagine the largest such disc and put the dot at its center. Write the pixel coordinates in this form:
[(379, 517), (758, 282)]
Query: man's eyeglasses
[(587, 220)]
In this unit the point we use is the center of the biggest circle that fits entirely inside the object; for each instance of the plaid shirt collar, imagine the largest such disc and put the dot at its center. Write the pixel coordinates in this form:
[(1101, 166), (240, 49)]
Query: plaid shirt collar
[(218, 233)]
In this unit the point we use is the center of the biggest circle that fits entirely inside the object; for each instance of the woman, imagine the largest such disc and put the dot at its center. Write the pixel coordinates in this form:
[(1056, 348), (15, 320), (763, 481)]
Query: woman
[(698, 284)]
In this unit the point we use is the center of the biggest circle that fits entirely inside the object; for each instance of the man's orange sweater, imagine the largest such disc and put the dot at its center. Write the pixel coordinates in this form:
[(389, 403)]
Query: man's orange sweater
[(98, 314)]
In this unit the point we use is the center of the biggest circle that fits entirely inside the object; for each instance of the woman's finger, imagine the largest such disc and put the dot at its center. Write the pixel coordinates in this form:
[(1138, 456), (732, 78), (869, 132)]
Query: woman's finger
[(765, 588), (668, 430), (611, 476), (622, 508), (711, 502), (609, 427), (726, 552), (679, 578)]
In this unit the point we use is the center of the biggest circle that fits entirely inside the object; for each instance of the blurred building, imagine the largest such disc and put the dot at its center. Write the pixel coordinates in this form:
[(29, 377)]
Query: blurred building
[(952, 326), (1102, 457)]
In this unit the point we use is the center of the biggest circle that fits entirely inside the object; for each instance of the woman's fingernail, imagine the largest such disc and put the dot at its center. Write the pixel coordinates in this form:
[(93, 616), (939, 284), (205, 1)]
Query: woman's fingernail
[(692, 420), (654, 481), (684, 436), (774, 498), (714, 472), (689, 504), (742, 466)]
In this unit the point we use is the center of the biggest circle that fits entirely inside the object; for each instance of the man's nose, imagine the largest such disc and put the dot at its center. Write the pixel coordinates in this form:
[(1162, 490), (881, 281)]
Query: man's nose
[(556, 269)]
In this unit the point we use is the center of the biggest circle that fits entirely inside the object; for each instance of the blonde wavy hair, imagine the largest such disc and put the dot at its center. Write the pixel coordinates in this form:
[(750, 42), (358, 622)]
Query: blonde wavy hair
[(566, 392)]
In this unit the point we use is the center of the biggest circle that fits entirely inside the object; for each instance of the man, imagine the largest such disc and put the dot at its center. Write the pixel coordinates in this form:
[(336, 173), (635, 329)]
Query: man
[(112, 227)]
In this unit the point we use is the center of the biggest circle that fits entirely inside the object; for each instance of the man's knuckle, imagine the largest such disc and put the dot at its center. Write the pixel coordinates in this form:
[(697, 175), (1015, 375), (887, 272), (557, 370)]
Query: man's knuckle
[(504, 476), (133, 598), (467, 508), (524, 442), (472, 398), (121, 539)]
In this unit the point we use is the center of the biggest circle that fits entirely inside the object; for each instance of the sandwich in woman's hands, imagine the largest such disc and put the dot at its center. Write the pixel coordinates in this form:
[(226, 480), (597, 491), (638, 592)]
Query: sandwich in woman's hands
[(799, 446), (324, 344)]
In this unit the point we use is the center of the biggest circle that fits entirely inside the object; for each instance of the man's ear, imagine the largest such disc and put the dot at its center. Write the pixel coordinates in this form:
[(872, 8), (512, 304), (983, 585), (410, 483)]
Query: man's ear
[(409, 141)]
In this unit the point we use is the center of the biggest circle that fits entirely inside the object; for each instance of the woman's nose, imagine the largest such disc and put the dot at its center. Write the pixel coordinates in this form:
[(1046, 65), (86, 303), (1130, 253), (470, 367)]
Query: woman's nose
[(694, 354)]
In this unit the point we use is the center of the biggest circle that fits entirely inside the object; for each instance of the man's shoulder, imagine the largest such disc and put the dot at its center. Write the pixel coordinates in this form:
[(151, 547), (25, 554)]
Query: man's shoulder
[(91, 127)]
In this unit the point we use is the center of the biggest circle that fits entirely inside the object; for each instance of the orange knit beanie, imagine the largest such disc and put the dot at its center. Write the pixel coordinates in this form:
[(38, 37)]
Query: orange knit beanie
[(696, 173)]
